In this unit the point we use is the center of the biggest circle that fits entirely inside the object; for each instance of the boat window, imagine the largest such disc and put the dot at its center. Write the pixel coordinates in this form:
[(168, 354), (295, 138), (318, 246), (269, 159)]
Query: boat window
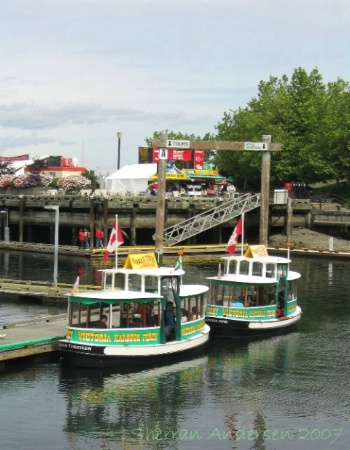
[(244, 268), (227, 295), (270, 270), (257, 269), (230, 267), (81, 315), (140, 314), (292, 288), (262, 293)]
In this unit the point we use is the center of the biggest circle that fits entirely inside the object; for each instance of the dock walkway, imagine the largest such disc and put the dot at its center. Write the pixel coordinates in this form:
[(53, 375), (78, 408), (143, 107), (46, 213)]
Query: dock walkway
[(33, 339)]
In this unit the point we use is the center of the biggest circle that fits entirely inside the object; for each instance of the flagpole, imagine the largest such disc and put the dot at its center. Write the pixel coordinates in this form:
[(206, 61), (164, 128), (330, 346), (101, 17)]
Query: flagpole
[(116, 248), (242, 240)]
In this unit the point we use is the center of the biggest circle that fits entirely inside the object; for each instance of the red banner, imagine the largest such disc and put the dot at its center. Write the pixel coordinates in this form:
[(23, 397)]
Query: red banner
[(198, 159), (14, 158), (181, 155)]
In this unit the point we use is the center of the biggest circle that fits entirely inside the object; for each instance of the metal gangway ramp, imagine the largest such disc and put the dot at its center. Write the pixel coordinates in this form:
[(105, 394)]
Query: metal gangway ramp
[(211, 218)]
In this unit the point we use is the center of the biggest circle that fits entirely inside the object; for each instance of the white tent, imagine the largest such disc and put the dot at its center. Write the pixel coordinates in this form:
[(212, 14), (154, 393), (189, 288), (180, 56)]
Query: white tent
[(131, 178)]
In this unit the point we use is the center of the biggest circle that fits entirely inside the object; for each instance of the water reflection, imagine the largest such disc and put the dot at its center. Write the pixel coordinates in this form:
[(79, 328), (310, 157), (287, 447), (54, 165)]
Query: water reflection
[(132, 407), (164, 403), (284, 384)]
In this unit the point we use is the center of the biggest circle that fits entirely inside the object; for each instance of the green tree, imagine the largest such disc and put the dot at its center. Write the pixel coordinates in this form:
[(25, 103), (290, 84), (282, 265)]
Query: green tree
[(336, 136), (90, 175), (302, 114), (6, 168)]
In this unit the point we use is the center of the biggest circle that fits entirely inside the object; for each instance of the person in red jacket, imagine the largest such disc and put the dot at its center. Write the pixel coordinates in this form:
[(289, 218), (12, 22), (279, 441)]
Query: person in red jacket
[(98, 237), (81, 238)]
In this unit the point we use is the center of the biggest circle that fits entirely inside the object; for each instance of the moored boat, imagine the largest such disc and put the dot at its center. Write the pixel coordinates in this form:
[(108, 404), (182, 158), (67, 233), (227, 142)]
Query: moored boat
[(255, 295), (127, 321)]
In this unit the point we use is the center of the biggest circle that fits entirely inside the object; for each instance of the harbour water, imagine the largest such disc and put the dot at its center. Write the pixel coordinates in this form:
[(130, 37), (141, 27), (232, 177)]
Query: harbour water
[(288, 392)]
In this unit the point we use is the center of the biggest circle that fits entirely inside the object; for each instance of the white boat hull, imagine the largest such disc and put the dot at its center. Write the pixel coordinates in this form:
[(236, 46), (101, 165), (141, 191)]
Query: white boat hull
[(92, 355), (228, 328)]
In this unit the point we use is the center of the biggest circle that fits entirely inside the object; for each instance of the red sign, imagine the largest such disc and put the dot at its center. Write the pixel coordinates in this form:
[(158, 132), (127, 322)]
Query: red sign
[(67, 162), (181, 155), (14, 158), (198, 159)]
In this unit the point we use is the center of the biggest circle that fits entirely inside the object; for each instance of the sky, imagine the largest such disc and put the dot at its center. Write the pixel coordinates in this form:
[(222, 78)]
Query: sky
[(74, 73)]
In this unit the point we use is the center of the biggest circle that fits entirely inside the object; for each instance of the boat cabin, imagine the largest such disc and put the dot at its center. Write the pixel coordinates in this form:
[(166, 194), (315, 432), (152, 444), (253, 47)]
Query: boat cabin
[(263, 284), (137, 299)]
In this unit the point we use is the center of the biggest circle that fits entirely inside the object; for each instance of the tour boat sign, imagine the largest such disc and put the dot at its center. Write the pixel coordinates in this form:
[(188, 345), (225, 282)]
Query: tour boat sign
[(172, 143)]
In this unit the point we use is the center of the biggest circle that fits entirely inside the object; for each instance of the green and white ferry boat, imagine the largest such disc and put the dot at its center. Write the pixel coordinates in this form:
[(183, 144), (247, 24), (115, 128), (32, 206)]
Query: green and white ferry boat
[(133, 302), (254, 296)]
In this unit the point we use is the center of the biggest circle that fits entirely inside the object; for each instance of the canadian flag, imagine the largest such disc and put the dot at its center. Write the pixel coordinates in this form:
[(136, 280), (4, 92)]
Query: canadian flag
[(115, 239), (231, 246)]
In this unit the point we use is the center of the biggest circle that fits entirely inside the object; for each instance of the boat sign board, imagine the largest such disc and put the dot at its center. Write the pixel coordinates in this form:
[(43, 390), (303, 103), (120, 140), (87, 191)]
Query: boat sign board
[(173, 143), (256, 146)]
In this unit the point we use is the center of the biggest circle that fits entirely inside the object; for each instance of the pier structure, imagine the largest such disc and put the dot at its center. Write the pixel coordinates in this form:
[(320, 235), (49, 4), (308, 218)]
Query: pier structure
[(29, 220)]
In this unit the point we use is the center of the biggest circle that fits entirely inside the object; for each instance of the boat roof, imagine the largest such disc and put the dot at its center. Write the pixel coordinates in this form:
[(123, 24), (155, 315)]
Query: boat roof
[(187, 290), (151, 272), (113, 295), (252, 279), (121, 295), (263, 259), (244, 279)]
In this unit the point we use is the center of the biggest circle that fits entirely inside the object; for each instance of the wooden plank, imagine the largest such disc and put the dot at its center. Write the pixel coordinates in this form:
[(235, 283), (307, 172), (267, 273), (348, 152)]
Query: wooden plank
[(218, 145)]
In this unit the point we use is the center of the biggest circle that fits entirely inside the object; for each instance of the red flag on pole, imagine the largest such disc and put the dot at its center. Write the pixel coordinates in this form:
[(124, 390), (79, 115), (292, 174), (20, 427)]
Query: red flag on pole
[(115, 239), (231, 246)]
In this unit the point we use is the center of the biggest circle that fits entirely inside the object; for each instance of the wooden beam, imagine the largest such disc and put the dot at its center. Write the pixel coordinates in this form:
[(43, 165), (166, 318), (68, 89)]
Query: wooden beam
[(218, 145)]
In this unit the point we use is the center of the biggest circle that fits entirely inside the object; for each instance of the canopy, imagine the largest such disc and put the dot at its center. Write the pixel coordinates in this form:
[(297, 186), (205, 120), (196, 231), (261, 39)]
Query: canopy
[(131, 178), (204, 175)]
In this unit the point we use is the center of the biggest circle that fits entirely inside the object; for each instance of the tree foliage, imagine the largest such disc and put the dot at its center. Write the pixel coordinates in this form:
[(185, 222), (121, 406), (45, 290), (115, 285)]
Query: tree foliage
[(6, 168), (310, 119)]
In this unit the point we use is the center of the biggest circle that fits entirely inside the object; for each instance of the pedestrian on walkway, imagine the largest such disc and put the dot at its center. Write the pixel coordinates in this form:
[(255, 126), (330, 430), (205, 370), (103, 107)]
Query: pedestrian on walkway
[(87, 238), (99, 237), (81, 238)]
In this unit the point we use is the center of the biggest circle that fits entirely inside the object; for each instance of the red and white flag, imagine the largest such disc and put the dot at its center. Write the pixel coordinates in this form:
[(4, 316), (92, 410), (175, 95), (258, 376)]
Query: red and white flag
[(115, 239), (231, 246), (75, 287)]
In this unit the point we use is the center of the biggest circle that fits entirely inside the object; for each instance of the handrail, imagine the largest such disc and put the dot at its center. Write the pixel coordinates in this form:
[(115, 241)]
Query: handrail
[(211, 218)]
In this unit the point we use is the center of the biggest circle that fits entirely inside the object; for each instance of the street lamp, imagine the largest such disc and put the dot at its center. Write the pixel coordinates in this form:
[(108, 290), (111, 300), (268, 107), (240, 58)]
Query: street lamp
[(55, 208), (7, 229), (119, 136)]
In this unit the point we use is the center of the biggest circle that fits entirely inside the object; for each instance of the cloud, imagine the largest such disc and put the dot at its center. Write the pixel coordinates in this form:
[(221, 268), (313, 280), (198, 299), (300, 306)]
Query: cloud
[(8, 142), (31, 116)]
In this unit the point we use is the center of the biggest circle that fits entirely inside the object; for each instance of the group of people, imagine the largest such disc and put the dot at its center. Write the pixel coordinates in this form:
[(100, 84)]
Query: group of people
[(146, 317), (84, 238)]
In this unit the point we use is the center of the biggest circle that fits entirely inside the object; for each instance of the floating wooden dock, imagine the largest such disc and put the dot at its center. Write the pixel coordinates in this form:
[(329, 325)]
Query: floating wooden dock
[(35, 340), (98, 252), (38, 289)]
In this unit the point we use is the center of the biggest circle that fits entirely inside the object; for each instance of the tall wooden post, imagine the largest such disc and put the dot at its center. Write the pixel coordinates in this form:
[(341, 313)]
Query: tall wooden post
[(133, 216), (21, 218), (289, 225), (160, 216), (265, 192)]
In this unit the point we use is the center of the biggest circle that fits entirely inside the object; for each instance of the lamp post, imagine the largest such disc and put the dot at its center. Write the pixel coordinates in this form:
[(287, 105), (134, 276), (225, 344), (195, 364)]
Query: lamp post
[(119, 136), (55, 208), (7, 229)]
